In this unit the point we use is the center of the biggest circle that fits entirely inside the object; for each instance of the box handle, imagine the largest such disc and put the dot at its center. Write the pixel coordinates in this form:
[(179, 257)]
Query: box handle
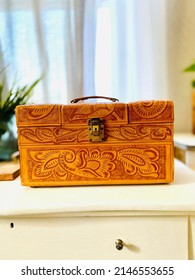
[(88, 97)]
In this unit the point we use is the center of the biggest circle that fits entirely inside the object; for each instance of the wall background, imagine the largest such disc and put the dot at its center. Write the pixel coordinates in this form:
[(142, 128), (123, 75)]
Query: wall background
[(180, 53)]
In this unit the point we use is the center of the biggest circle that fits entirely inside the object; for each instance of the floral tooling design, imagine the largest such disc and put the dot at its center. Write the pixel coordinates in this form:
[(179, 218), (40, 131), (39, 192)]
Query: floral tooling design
[(82, 163), (93, 164)]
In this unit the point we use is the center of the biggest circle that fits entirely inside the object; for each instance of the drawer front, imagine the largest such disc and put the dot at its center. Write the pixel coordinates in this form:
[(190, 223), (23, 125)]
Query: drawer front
[(94, 238), (192, 238)]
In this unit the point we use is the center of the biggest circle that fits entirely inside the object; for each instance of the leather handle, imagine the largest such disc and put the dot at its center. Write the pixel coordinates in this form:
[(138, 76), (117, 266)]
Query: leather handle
[(88, 97)]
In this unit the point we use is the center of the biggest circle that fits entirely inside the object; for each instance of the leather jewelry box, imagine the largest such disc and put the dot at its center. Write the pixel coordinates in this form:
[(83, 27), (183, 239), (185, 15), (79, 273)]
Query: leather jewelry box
[(109, 143)]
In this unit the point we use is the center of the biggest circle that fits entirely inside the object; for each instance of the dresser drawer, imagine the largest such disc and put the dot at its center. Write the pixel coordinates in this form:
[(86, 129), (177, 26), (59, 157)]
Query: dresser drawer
[(143, 237), (192, 238)]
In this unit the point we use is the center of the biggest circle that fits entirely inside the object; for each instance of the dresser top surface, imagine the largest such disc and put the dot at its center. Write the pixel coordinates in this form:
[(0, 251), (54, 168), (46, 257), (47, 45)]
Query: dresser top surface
[(16, 200), (185, 140)]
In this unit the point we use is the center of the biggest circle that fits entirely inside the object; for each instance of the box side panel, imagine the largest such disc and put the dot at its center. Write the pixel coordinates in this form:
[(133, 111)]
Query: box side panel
[(97, 164)]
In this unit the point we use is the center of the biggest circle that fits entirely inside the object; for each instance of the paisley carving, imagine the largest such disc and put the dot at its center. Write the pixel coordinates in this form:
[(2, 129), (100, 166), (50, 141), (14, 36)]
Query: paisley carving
[(38, 115), (38, 112), (138, 161), (149, 109)]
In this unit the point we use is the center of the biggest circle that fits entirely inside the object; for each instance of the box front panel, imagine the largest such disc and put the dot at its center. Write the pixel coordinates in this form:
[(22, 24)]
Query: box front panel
[(96, 164)]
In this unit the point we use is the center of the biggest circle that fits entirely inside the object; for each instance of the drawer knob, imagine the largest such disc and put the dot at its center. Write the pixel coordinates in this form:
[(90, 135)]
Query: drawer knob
[(119, 244)]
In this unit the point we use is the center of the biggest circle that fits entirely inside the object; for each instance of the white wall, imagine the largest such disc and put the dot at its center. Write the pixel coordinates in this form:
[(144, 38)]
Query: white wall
[(180, 53)]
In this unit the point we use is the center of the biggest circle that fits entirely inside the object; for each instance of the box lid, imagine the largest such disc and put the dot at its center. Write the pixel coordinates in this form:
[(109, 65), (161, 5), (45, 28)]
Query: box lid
[(156, 111)]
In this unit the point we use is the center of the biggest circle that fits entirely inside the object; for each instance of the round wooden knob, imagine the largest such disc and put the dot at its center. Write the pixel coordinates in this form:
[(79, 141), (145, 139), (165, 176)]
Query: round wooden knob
[(119, 244)]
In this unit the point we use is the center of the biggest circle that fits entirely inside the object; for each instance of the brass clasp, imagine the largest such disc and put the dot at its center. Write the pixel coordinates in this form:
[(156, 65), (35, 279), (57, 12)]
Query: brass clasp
[(96, 129)]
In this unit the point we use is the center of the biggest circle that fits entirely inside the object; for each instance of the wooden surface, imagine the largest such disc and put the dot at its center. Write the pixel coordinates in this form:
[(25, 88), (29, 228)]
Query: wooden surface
[(9, 170), (55, 149)]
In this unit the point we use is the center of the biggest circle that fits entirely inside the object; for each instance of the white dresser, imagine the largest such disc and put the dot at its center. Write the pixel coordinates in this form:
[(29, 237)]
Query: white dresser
[(185, 148), (144, 222)]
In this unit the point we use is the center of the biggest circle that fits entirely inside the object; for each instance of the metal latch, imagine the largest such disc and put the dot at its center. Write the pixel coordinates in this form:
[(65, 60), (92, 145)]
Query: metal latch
[(96, 129)]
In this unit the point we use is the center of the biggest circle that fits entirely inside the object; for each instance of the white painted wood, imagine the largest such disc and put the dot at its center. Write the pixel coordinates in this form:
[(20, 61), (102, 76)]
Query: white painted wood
[(185, 142), (94, 238), (191, 237), (190, 159), (154, 221), (185, 139), (16, 200)]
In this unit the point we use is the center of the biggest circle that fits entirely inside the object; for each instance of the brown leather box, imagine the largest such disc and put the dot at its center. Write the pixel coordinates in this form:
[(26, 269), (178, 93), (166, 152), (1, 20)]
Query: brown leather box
[(96, 143)]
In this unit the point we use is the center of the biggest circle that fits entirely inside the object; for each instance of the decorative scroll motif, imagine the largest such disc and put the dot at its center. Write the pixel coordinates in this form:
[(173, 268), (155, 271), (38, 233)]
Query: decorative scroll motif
[(139, 132), (149, 109), (54, 135), (62, 135), (94, 164)]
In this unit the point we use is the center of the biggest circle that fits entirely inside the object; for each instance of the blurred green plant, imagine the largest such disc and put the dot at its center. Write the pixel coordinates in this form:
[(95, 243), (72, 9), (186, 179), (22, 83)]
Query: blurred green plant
[(190, 68), (10, 99)]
